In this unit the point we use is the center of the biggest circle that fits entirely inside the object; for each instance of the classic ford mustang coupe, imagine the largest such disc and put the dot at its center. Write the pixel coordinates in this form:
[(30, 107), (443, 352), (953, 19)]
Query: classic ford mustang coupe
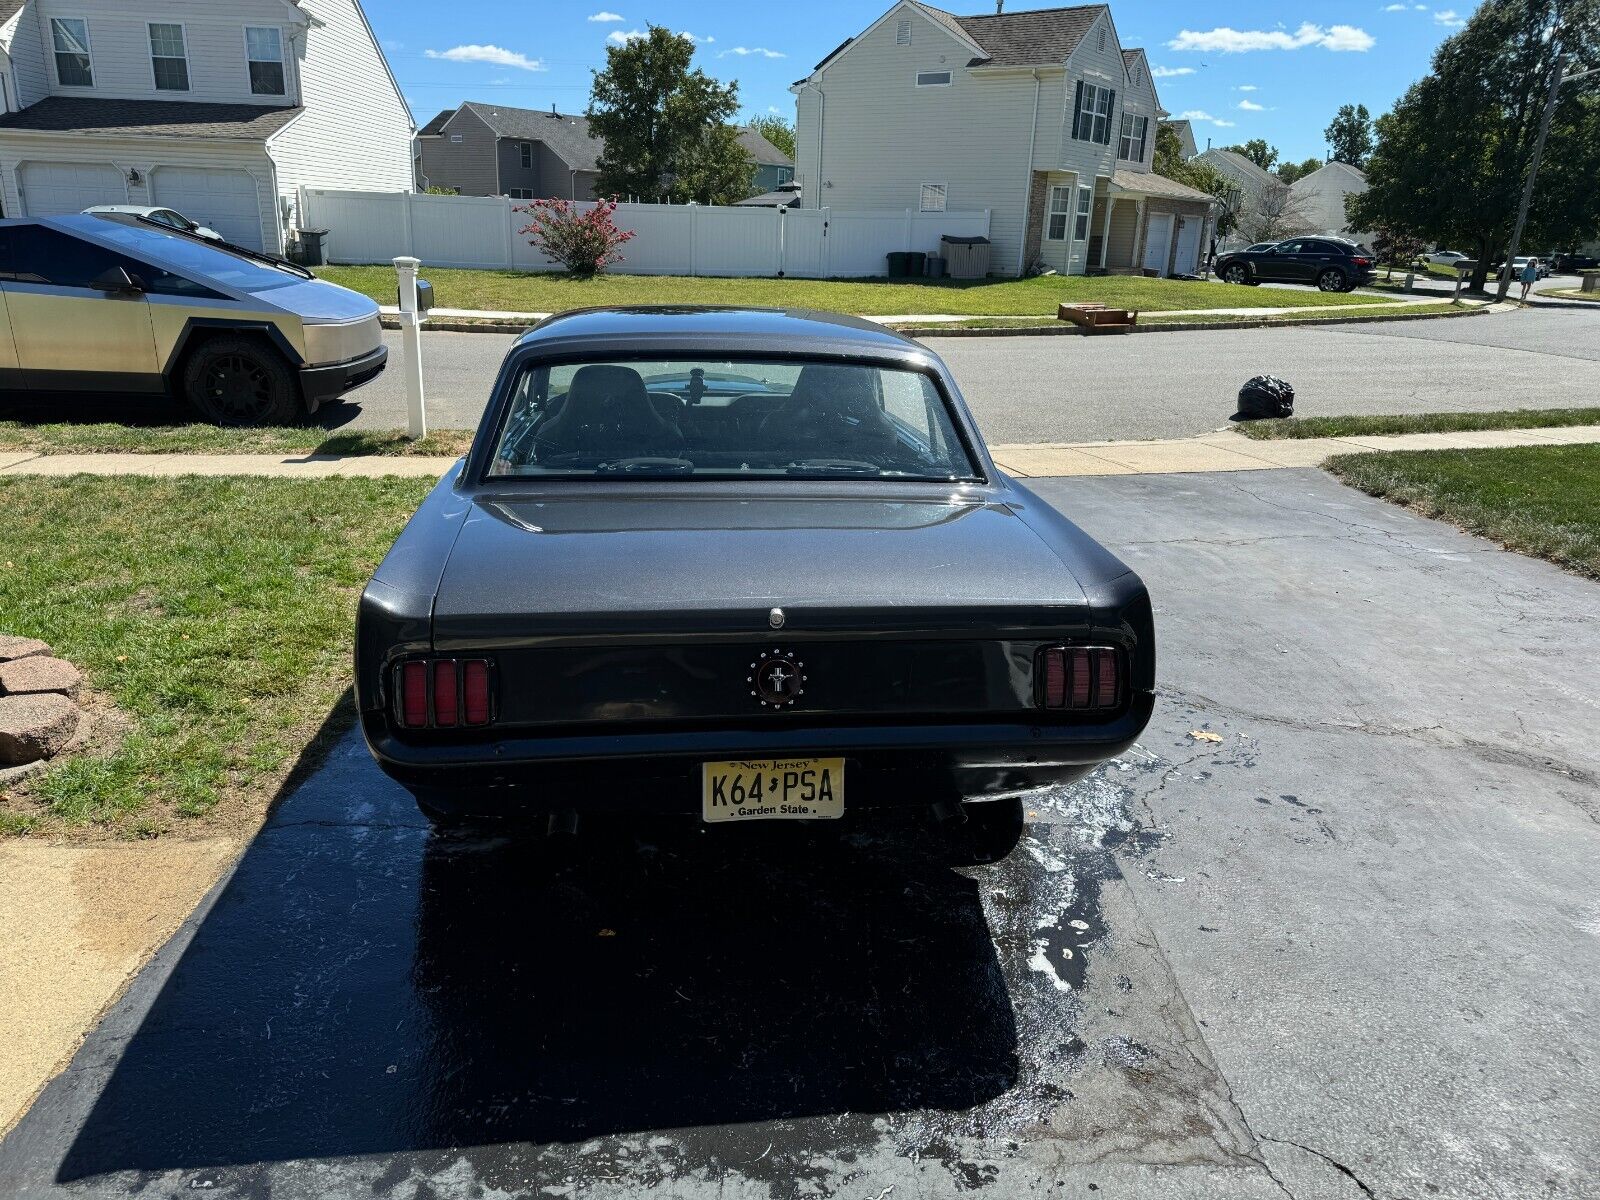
[(742, 565)]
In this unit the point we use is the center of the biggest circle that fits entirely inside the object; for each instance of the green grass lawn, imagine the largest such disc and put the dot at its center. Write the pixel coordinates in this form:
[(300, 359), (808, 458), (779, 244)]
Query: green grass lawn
[(520, 291), (1452, 422), (1573, 294), (215, 615), (1181, 318), (108, 438), (1539, 500)]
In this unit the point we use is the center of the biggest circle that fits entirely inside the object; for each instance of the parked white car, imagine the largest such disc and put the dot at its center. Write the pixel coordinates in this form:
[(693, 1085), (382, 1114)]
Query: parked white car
[(1446, 258), (170, 217)]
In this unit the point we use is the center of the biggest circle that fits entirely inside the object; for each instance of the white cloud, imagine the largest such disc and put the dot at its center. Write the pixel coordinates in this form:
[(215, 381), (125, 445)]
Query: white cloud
[(1251, 106), (1245, 87), (1170, 72), (1386, 8), (758, 51), (698, 41), (1200, 114), (488, 54), (605, 16), (622, 39), (1448, 18), (1224, 40), (775, 110)]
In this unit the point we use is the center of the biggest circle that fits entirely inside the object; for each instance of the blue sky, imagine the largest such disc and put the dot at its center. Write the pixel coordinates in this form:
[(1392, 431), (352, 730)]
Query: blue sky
[(1240, 70)]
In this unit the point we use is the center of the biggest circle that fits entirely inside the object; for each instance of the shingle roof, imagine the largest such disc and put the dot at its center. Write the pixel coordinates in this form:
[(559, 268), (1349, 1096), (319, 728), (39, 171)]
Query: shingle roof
[(1029, 39), (433, 127), (1148, 183), (567, 136), (9, 9), (151, 118), (762, 152), (1240, 163)]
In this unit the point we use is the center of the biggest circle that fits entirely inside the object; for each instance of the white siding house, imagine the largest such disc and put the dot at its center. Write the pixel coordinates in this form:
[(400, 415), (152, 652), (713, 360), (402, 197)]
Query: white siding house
[(222, 111), (1323, 194), (1042, 118)]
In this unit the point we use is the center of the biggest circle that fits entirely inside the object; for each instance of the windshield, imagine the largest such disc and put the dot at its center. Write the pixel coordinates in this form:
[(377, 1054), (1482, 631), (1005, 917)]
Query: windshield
[(196, 258), (718, 418)]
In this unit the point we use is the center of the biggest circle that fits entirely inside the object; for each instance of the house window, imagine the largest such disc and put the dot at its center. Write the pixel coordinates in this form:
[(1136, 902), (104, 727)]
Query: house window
[(1130, 145), (1085, 206), (71, 38), (932, 198), (169, 58), (902, 32), (263, 46), (1060, 209), (455, 138), (521, 193), (525, 149), (933, 78), (1092, 120)]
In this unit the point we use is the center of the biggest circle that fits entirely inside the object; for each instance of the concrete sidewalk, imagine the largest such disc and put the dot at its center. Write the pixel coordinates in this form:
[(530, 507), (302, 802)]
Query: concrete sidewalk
[(1223, 450)]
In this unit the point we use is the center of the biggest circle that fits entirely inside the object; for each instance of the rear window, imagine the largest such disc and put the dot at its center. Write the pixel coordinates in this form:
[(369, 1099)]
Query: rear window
[(717, 418), (196, 258)]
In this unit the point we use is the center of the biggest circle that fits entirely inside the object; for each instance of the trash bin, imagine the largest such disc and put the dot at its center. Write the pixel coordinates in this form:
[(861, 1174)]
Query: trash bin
[(934, 268), (915, 259), (966, 257), (312, 252), (899, 264)]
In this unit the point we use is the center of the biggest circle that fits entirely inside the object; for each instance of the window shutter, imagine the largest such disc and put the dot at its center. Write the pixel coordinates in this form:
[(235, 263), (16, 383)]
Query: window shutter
[(1077, 110), (1111, 111)]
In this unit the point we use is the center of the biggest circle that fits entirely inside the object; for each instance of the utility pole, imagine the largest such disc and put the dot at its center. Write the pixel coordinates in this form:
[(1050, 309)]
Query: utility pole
[(1533, 167)]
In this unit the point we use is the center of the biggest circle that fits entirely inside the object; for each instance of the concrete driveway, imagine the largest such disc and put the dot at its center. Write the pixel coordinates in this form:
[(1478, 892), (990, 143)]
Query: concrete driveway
[(1351, 948), (1166, 385)]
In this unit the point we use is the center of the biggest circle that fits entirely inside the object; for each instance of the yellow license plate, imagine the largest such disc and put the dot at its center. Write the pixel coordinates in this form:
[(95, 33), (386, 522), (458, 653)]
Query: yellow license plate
[(773, 789)]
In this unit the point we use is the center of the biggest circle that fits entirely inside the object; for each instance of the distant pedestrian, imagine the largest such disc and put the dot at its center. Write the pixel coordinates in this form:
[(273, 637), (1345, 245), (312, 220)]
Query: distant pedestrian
[(1530, 272)]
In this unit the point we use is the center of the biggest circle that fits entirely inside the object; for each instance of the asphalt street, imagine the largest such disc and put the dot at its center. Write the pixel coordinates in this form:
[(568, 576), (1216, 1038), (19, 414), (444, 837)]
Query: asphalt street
[(1073, 389), (1350, 948)]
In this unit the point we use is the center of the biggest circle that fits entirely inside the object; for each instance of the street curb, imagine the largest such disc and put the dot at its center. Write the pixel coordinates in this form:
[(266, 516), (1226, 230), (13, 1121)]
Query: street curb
[(1063, 329)]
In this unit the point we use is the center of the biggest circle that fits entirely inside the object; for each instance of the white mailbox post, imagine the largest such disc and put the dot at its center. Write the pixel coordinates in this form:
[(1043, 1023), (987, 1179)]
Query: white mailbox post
[(411, 348)]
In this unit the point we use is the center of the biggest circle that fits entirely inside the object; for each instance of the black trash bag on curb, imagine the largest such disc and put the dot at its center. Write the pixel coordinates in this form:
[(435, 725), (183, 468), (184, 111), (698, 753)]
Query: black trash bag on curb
[(1266, 396)]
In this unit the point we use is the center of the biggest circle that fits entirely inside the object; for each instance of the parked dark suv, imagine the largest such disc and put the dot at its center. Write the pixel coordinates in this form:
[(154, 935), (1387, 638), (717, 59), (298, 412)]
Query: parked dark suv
[(1332, 264)]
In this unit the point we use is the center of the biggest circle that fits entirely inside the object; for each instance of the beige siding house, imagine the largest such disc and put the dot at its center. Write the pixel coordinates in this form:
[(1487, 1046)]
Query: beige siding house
[(222, 111), (1322, 194), (1043, 118)]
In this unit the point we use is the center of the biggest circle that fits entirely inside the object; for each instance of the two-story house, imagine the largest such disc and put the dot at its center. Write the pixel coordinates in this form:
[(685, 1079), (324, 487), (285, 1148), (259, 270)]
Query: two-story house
[(1041, 117), (530, 154), (223, 111)]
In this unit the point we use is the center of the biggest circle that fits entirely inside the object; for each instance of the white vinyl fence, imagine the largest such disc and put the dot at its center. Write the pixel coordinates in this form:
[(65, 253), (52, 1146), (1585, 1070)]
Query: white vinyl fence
[(672, 239)]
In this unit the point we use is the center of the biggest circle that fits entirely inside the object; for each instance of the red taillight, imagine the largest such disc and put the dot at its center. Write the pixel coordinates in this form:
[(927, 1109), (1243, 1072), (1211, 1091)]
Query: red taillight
[(414, 695), (1079, 678), (1363, 262), (475, 692), (442, 693)]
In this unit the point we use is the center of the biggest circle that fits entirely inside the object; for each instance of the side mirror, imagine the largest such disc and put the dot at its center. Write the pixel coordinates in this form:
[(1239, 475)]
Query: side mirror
[(116, 279)]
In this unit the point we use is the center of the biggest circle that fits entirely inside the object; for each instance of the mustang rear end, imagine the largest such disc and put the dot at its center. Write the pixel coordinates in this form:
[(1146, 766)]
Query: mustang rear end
[(742, 566)]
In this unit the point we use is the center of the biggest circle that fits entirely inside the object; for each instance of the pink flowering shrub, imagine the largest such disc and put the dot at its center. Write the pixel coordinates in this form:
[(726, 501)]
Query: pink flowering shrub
[(586, 243)]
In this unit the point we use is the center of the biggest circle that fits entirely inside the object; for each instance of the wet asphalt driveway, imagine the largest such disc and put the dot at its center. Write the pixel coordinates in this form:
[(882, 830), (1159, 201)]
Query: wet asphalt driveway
[(1351, 948)]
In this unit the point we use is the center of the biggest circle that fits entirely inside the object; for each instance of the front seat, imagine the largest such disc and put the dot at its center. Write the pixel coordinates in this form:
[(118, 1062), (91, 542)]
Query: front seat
[(833, 411), (608, 414)]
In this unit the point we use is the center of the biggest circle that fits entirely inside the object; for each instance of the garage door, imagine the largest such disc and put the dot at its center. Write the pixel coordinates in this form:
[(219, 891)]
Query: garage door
[(222, 200), (1157, 242), (1185, 261), (52, 188)]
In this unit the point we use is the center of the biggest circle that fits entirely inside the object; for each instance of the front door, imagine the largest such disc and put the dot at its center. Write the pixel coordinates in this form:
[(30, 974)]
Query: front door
[(1157, 242), (68, 334), (1187, 259)]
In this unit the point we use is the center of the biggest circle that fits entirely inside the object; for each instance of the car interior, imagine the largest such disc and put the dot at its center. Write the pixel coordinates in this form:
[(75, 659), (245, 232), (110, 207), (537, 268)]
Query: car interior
[(826, 419)]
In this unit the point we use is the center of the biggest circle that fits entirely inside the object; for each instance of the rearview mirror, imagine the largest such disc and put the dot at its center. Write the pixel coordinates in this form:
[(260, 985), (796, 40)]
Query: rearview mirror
[(116, 279)]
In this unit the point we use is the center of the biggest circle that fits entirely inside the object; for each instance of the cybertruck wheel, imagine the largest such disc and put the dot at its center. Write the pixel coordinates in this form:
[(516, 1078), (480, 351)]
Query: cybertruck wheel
[(990, 833), (241, 381)]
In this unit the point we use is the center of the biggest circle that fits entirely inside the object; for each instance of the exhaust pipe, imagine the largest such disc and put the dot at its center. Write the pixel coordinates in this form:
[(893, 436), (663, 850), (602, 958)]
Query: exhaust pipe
[(564, 823)]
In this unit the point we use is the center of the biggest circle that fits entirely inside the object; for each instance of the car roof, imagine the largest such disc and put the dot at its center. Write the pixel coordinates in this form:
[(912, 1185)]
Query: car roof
[(718, 327), (127, 208)]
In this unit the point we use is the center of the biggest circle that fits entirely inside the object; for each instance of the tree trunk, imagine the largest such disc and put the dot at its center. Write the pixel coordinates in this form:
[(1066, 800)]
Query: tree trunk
[(1480, 271)]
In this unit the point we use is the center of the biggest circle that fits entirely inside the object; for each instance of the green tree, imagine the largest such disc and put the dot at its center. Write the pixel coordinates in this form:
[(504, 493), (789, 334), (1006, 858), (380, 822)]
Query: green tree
[(777, 131), (667, 130), (1288, 172), (1451, 158), (1258, 152), (1168, 160), (1349, 135)]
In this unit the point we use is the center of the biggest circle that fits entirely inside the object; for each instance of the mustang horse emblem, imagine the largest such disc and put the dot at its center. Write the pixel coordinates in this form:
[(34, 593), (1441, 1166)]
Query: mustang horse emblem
[(777, 679)]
